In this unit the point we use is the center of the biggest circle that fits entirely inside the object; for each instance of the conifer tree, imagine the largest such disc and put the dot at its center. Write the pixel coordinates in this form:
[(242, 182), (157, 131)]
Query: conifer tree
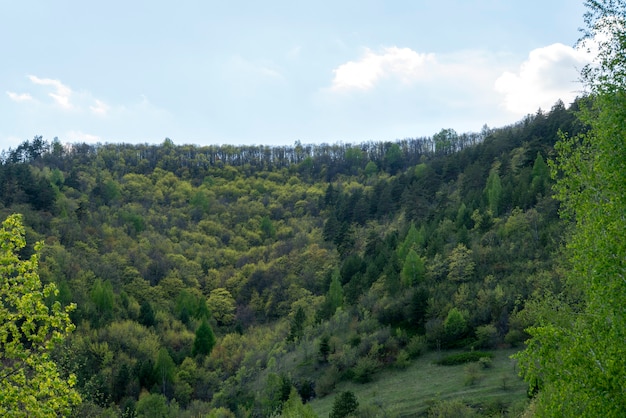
[(205, 340)]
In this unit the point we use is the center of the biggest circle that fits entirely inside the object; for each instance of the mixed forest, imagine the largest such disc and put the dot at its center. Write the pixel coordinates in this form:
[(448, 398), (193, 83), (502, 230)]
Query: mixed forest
[(198, 273), (236, 281)]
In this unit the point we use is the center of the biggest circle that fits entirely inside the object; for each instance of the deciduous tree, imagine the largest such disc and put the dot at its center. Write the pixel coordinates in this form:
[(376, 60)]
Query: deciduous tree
[(31, 383), (576, 354)]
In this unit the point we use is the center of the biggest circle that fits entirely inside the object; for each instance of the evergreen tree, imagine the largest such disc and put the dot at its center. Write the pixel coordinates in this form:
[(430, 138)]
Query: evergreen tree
[(205, 340), (344, 405), (335, 293), (493, 191), (413, 270), (296, 330)]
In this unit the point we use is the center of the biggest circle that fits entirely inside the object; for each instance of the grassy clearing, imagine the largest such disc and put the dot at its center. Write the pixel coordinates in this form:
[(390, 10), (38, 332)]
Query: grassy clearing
[(409, 393)]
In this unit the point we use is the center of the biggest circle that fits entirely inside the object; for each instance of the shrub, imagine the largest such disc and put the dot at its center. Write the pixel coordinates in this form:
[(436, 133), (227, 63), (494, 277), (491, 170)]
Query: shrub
[(416, 346), (402, 360), (327, 382), (486, 336), (365, 368), (451, 409), (472, 374), (485, 362), (345, 404)]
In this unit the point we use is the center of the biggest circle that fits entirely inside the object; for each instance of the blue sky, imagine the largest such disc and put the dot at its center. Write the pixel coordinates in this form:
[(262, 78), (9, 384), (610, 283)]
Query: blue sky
[(273, 72)]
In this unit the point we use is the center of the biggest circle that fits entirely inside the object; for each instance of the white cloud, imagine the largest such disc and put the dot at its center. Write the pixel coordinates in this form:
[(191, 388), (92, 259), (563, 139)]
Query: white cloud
[(100, 108), (62, 93), (17, 97), (548, 74), (401, 63)]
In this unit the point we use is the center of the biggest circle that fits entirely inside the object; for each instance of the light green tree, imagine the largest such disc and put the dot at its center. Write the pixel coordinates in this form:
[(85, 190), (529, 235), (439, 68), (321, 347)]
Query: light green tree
[(493, 189), (222, 306), (335, 293), (31, 383), (294, 407), (165, 369), (460, 264), (413, 270), (576, 356)]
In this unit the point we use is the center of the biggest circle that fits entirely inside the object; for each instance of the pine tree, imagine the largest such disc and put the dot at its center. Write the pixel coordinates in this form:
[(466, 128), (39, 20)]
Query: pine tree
[(205, 340)]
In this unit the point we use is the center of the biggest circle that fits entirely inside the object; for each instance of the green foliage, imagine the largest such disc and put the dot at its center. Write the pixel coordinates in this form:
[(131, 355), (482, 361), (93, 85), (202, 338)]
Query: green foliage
[(365, 368), (460, 264), (296, 330), (165, 369), (204, 341), (451, 409), (267, 228), (222, 306), (345, 405), (335, 293), (152, 406), (417, 346), (146, 314), (462, 358), (493, 191), (31, 383), (149, 240), (324, 348), (455, 325), (103, 299), (413, 270), (294, 407), (576, 358), (472, 373)]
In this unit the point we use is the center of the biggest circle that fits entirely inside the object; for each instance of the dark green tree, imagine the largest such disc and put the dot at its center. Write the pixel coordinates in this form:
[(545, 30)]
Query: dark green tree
[(296, 329), (345, 404), (205, 340)]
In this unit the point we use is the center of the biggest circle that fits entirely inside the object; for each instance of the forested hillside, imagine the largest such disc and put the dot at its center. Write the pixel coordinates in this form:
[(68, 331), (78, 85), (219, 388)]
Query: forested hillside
[(219, 278)]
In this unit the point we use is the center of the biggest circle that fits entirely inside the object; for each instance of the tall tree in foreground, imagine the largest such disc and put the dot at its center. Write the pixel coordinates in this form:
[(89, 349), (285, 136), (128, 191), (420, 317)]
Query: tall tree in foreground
[(30, 381), (579, 359)]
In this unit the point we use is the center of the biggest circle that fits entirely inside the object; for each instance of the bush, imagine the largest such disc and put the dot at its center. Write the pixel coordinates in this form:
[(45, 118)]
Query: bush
[(472, 374), (402, 360), (486, 336), (365, 368), (345, 404), (462, 358), (416, 346), (451, 409), (485, 362), (326, 383)]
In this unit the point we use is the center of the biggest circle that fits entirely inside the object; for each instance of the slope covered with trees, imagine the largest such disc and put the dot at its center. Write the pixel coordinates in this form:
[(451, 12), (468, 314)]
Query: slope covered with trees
[(224, 278)]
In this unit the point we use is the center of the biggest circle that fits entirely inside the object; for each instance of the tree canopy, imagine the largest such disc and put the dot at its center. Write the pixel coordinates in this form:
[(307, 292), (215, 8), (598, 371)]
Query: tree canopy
[(576, 356), (31, 382)]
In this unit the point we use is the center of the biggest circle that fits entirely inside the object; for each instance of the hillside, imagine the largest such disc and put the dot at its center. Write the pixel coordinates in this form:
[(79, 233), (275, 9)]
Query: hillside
[(315, 266)]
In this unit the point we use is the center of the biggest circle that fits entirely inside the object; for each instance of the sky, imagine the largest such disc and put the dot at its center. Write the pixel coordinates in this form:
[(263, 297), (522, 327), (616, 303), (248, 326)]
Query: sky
[(274, 72)]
